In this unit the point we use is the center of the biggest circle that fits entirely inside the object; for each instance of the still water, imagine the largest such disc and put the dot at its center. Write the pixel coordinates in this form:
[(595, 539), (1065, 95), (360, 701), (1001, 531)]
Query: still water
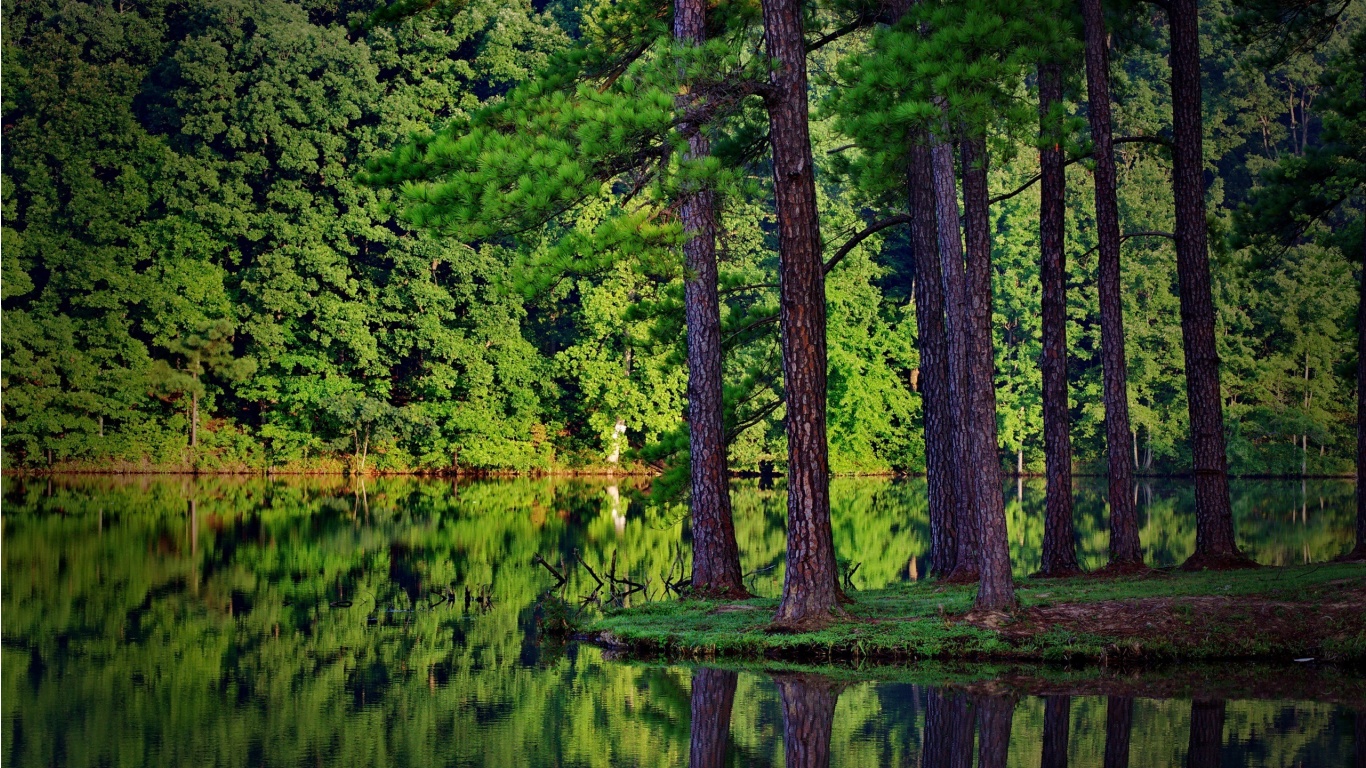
[(221, 621)]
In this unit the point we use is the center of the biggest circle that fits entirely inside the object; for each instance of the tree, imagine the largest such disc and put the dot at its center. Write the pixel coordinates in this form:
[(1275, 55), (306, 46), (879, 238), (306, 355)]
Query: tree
[(1059, 548), (1215, 546), (1125, 551), (206, 351), (811, 590), (808, 716), (716, 557)]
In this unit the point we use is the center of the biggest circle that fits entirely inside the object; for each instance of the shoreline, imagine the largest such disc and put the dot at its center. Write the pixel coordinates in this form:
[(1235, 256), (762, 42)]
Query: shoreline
[(1265, 614)]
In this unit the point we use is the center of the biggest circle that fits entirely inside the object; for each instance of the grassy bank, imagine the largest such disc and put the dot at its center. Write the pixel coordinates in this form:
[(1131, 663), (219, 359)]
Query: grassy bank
[(1315, 611)]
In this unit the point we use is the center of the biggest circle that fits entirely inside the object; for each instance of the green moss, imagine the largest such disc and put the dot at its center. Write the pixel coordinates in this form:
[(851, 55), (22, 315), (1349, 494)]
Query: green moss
[(926, 620)]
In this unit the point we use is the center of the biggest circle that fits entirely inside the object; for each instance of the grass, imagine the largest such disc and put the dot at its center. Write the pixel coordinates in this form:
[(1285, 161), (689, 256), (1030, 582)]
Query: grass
[(1314, 611)]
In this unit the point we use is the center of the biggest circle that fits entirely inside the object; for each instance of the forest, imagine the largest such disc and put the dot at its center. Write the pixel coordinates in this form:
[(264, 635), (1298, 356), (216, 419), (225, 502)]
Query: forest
[(217, 254)]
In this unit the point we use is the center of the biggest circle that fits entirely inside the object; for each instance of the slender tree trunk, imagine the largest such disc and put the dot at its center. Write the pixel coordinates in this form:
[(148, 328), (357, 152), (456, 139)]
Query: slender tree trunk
[(1119, 723), (997, 589), (194, 419), (934, 364), (1359, 551), (1059, 546), (1206, 735), (1057, 711), (808, 717), (995, 714), (965, 562), (716, 556), (1359, 732), (713, 694), (1215, 545), (811, 592), (1125, 551)]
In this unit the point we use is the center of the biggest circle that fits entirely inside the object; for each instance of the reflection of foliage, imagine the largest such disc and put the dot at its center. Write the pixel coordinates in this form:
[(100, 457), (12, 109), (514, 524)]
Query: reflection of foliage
[(154, 617)]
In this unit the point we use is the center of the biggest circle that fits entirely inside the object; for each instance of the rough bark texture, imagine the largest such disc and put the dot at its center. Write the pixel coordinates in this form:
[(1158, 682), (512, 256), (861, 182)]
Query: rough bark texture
[(1125, 550), (934, 364), (993, 740), (1119, 723), (1359, 551), (713, 694), (811, 591), (1215, 546), (1207, 734), (1059, 546), (996, 590), (965, 566), (808, 716), (716, 556), (1057, 711)]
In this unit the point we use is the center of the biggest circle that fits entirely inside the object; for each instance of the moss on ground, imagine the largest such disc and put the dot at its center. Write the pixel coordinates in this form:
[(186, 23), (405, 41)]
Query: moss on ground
[(1269, 613)]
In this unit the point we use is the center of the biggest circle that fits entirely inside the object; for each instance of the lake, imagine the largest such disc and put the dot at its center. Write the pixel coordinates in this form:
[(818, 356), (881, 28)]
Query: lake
[(307, 621)]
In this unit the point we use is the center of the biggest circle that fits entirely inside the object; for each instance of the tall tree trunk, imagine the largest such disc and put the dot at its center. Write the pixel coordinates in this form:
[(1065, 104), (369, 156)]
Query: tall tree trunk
[(1057, 712), (996, 590), (934, 364), (1059, 546), (994, 715), (1359, 551), (1215, 545), (1125, 551), (716, 556), (808, 717), (965, 563), (1206, 735), (1119, 723), (811, 592), (713, 694), (194, 419)]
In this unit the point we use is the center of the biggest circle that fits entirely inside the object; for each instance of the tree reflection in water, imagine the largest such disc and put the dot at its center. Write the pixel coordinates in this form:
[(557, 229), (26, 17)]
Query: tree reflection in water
[(808, 717), (713, 695)]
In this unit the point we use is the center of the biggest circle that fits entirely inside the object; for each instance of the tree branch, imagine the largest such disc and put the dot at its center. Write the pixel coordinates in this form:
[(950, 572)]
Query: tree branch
[(1126, 236), (864, 234), (1035, 179)]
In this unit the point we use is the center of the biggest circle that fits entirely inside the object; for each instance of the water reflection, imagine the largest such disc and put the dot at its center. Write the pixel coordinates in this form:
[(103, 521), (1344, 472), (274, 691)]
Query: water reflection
[(396, 622), (946, 727)]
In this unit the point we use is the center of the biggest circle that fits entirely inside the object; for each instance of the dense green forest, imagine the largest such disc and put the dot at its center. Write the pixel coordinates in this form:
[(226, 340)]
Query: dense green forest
[(196, 271)]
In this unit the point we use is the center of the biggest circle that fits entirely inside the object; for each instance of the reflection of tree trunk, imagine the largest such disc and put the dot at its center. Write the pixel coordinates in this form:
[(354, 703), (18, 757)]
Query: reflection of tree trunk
[(994, 717), (948, 730), (1119, 722), (1360, 748), (716, 556), (811, 591), (1207, 734), (1057, 711), (929, 315), (955, 332), (996, 590), (1214, 539), (808, 717), (713, 693)]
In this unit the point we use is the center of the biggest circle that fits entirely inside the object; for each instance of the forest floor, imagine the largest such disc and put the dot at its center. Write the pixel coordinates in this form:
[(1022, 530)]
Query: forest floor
[(1286, 613)]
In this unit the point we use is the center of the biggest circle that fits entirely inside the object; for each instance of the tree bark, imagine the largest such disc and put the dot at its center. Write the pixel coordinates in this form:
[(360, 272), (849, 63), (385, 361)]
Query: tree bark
[(948, 730), (1057, 712), (808, 717), (1215, 545), (713, 694), (1125, 550), (1206, 735), (1059, 545), (716, 556), (997, 589), (811, 591), (1359, 551), (965, 566), (934, 364), (1119, 723), (995, 714)]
